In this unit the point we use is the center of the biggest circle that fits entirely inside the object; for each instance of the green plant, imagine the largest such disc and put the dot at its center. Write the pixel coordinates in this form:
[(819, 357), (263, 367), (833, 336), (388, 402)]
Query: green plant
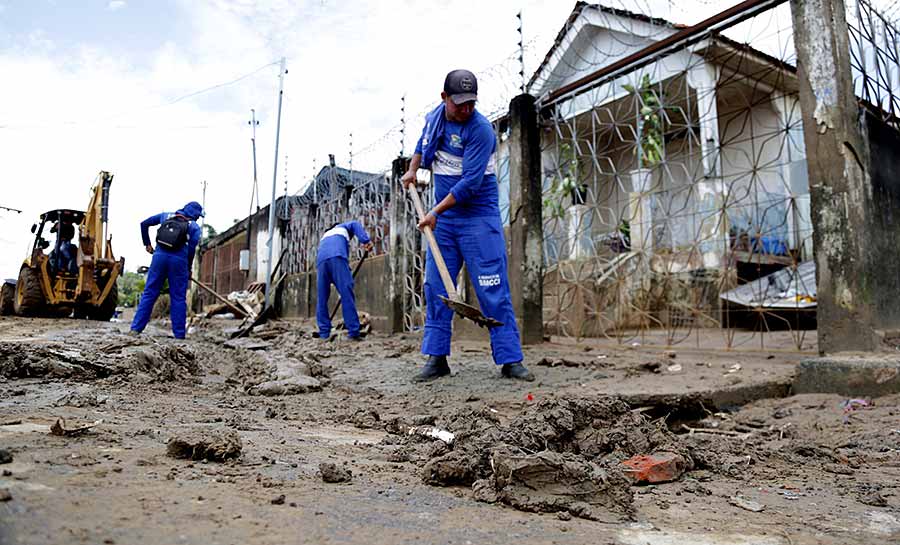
[(130, 285), (562, 184), (650, 124), (208, 232)]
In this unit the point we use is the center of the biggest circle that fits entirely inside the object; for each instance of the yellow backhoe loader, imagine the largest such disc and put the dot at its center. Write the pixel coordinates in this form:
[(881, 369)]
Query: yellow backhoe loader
[(70, 280)]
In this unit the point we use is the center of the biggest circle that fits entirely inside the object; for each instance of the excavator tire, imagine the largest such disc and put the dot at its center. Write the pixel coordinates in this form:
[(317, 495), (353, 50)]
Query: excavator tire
[(7, 299), (29, 299), (107, 309)]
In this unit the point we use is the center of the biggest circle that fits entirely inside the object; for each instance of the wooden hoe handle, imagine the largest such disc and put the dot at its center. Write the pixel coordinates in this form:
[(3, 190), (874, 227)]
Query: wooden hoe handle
[(432, 243)]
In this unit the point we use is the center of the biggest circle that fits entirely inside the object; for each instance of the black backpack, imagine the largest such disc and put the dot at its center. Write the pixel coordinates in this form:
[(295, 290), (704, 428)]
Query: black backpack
[(173, 233)]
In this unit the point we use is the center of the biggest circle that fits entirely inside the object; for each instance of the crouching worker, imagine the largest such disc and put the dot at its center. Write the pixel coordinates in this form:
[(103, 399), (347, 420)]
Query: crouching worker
[(176, 240), (333, 267)]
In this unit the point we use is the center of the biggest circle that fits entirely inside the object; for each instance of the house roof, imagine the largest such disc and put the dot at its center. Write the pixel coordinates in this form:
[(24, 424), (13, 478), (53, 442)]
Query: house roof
[(342, 177), (577, 11), (720, 48)]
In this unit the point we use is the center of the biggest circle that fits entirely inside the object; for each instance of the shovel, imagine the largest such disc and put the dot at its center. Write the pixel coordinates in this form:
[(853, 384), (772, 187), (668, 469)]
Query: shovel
[(453, 301)]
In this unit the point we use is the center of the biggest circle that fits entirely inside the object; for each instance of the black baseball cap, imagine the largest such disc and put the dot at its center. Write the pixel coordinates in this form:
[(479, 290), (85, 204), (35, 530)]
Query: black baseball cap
[(461, 86)]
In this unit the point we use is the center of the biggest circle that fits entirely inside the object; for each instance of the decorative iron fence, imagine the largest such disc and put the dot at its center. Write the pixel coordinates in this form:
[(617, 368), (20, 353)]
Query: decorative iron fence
[(672, 177)]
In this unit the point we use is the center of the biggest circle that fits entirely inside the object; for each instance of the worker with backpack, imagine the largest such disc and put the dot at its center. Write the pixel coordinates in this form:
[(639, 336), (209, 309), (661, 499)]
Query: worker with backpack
[(176, 241)]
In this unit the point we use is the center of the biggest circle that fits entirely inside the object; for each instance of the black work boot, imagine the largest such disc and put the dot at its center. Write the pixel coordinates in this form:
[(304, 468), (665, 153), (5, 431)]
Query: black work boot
[(435, 367), (516, 371)]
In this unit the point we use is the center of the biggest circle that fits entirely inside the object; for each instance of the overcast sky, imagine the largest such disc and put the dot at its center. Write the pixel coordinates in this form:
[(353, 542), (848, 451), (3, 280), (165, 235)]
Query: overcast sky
[(99, 84)]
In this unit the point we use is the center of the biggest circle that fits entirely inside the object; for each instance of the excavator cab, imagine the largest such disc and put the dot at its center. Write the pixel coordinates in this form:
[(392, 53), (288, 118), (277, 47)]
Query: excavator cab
[(77, 275)]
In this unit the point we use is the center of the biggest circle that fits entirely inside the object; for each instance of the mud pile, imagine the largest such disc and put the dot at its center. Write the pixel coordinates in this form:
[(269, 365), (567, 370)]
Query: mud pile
[(97, 358), (560, 455), (214, 445), (289, 362), (24, 360)]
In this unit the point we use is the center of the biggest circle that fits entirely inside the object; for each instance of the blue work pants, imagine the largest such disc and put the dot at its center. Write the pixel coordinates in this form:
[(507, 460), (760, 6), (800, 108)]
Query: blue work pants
[(175, 269), (335, 270), (479, 243)]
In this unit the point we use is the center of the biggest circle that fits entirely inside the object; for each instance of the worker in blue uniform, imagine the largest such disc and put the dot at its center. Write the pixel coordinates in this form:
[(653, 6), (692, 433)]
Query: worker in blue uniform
[(176, 241), (458, 144), (333, 267)]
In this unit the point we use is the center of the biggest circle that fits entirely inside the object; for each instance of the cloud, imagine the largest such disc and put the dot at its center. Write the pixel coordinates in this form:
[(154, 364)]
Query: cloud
[(85, 109), (116, 5)]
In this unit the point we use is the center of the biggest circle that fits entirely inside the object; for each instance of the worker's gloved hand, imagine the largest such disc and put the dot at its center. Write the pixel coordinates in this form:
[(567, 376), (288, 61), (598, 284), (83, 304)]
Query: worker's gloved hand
[(149, 249), (367, 246), (430, 220)]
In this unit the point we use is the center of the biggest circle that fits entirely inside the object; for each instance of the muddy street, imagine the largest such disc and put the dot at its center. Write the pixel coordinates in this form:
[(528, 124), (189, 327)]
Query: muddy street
[(281, 437)]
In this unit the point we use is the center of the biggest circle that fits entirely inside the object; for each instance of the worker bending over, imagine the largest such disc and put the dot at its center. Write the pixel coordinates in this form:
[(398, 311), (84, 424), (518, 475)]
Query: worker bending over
[(458, 144), (333, 267), (176, 241)]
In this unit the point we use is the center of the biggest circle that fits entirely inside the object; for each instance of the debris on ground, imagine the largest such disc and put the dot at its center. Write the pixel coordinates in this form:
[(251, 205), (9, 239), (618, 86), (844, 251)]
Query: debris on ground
[(19, 360), (365, 324), (247, 344), (598, 361), (78, 399), (659, 467), (432, 432), (552, 482), (745, 504), (5, 495), (214, 445), (366, 419), (560, 362), (278, 500), (165, 362), (59, 428), (6, 456), (558, 455), (332, 473)]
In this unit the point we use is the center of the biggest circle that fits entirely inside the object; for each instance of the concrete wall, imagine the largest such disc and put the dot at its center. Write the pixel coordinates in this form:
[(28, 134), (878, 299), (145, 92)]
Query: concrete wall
[(883, 259)]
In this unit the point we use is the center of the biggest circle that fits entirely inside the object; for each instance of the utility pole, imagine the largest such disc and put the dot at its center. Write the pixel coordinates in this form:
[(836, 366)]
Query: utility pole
[(203, 204), (255, 193), (253, 124), (281, 73)]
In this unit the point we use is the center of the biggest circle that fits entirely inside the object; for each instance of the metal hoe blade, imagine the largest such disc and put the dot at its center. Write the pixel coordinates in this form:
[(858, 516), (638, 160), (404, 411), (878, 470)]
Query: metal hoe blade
[(470, 312)]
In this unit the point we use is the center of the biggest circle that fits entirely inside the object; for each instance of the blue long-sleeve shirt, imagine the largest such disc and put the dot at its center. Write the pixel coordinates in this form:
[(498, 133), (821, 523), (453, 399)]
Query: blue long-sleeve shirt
[(336, 241), (463, 166), (187, 250)]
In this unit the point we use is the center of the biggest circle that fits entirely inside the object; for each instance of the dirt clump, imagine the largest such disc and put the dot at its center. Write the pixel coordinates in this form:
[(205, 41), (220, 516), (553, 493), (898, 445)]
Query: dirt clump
[(214, 445), (165, 362), (366, 419), (332, 473), (6, 456), (553, 482), (81, 399), (19, 360), (560, 455)]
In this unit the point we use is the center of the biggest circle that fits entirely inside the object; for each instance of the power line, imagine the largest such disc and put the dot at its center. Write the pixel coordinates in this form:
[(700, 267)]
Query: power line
[(156, 107)]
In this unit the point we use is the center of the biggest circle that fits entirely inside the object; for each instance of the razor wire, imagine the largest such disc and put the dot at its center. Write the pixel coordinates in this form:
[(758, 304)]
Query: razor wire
[(672, 188)]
